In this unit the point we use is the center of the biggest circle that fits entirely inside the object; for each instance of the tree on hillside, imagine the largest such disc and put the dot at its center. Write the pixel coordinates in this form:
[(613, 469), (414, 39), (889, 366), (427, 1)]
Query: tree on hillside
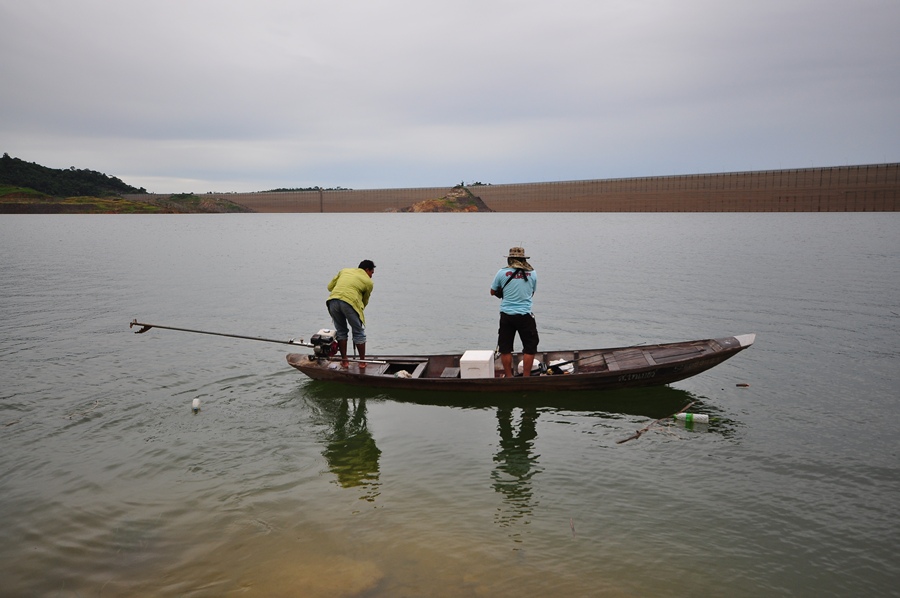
[(61, 182)]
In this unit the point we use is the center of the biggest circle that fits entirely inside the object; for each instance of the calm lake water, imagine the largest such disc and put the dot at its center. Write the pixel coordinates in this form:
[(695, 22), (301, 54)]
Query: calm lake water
[(279, 486)]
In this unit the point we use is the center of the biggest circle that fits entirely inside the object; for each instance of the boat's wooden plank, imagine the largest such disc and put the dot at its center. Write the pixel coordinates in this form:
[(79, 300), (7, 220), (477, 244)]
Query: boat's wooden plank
[(593, 361), (450, 372), (419, 369), (670, 354), (611, 362), (631, 358)]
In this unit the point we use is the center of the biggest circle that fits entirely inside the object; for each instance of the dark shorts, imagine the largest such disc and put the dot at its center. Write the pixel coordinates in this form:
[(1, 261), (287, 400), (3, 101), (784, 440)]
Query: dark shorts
[(525, 325)]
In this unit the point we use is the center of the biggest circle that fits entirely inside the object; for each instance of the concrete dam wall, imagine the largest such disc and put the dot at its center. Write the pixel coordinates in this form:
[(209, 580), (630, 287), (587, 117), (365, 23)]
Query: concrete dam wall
[(866, 188)]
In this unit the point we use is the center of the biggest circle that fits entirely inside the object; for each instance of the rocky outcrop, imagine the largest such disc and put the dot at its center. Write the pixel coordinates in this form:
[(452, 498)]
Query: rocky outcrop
[(459, 199)]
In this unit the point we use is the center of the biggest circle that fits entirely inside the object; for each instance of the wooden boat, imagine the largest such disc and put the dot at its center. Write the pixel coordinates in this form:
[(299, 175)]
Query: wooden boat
[(591, 369)]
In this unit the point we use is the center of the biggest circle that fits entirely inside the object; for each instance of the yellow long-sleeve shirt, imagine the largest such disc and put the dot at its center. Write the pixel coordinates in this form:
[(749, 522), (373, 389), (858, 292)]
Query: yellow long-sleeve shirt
[(353, 286)]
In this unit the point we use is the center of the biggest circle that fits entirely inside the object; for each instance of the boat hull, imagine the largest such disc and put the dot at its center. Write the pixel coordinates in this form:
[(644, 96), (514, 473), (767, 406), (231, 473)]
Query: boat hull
[(592, 369)]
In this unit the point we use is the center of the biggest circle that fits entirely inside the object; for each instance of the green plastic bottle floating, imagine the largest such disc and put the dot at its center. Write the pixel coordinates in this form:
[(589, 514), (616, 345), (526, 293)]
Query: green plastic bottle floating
[(696, 418)]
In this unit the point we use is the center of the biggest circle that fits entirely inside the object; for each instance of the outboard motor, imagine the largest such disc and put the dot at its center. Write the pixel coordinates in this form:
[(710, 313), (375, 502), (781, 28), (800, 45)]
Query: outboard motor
[(323, 343)]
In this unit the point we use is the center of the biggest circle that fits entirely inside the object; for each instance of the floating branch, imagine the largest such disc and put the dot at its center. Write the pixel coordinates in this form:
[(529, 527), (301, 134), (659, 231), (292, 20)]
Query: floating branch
[(638, 433)]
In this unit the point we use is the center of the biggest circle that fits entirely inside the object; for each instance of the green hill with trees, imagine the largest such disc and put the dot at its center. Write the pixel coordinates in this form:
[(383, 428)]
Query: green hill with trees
[(61, 183), (29, 188)]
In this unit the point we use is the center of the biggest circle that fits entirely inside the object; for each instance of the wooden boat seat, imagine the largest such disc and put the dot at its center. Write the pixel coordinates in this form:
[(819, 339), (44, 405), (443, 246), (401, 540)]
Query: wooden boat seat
[(414, 368), (419, 369), (611, 363), (450, 372), (626, 359), (377, 370)]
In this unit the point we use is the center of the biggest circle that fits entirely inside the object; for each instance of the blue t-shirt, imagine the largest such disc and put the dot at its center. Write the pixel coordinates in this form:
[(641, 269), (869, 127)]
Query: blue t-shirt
[(517, 294)]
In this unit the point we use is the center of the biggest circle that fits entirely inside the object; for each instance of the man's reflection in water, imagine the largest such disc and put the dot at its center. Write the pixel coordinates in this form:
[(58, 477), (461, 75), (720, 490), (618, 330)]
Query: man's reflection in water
[(515, 464), (350, 449)]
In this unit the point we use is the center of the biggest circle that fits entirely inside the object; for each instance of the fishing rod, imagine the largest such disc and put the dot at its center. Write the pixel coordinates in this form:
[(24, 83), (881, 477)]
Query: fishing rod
[(323, 345), (146, 327)]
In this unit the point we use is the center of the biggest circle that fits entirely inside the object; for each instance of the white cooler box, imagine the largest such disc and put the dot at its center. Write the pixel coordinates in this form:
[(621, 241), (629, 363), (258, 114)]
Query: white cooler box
[(476, 364)]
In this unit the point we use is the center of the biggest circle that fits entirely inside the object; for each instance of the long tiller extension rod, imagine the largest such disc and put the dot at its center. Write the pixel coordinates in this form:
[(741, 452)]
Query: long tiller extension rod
[(146, 327)]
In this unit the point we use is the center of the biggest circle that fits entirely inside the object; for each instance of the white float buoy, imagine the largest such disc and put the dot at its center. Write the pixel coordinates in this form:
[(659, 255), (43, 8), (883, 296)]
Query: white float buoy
[(195, 405)]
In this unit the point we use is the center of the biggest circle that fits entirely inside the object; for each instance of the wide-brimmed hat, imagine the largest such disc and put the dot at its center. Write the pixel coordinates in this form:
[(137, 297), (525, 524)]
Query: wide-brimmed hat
[(517, 257)]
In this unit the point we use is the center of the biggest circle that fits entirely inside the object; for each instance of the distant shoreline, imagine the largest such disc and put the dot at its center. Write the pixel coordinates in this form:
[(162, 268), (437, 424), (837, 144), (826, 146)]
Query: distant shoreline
[(24, 202), (864, 188)]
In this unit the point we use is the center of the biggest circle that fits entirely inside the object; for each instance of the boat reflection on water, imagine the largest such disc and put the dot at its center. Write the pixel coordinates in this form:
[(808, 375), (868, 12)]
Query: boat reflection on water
[(350, 450), (653, 402), (353, 456), (516, 463)]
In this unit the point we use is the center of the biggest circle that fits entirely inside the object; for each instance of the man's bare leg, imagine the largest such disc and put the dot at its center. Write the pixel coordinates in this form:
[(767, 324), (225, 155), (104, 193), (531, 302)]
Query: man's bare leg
[(527, 362), (506, 360)]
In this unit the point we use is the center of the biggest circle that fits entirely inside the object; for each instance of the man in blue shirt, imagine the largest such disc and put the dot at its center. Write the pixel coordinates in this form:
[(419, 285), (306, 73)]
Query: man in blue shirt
[(515, 286)]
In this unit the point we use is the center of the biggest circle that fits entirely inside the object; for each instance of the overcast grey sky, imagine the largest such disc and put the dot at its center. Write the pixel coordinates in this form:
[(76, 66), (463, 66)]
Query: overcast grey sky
[(247, 95)]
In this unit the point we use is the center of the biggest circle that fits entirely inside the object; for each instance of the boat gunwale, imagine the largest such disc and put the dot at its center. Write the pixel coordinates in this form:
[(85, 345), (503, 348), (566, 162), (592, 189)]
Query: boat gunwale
[(716, 351)]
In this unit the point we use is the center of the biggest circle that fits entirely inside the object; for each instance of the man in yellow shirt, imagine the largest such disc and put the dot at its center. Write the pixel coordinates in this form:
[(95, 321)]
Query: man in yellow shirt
[(350, 291)]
